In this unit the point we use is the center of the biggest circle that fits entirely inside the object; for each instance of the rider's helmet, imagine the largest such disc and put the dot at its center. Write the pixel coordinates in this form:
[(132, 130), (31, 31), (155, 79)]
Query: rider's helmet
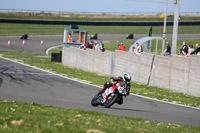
[(127, 77)]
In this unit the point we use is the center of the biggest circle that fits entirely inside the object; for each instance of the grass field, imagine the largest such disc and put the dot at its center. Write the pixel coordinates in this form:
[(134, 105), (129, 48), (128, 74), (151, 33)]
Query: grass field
[(18, 117), (7, 29)]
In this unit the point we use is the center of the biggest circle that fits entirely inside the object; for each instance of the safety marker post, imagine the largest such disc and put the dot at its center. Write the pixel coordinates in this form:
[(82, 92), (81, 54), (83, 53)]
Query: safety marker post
[(23, 42), (8, 43), (41, 42)]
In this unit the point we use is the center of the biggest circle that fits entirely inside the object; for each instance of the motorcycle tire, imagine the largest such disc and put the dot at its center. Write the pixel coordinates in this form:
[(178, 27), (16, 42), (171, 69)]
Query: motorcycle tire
[(94, 101), (111, 99)]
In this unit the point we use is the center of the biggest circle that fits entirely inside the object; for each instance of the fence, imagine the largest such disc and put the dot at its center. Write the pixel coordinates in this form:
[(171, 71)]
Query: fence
[(176, 73), (50, 22)]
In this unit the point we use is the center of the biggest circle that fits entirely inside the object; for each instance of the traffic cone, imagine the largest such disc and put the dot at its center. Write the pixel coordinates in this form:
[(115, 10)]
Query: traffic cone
[(8, 43), (41, 42), (23, 42)]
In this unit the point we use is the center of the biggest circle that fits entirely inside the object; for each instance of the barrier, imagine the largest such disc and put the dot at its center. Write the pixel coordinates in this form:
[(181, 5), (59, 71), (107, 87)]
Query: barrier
[(176, 73), (50, 22)]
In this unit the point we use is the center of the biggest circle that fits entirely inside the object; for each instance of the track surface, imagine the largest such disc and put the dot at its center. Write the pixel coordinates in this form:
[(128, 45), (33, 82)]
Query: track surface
[(22, 83), (33, 43)]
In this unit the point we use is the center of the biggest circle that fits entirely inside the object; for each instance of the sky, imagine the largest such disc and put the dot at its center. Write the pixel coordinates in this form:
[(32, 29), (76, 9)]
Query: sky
[(100, 5)]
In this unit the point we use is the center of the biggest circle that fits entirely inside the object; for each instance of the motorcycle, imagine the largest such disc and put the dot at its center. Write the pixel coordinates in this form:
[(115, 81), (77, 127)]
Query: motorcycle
[(94, 37), (110, 96), (25, 36)]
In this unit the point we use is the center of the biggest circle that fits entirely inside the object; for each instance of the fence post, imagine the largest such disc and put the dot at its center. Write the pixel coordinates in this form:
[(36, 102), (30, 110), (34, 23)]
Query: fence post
[(112, 70)]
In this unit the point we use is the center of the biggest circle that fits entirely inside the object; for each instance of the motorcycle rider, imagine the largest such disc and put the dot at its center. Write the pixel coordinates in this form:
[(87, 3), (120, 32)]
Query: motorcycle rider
[(126, 79)]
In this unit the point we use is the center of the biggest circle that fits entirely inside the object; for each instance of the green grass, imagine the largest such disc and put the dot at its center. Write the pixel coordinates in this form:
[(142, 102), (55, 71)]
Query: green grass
[(96, 79), (55, 50), (7, 29), (113, 45), (21, 117)]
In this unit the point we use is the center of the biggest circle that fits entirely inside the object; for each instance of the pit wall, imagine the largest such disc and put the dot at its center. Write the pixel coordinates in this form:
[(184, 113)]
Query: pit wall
[(179, 74)]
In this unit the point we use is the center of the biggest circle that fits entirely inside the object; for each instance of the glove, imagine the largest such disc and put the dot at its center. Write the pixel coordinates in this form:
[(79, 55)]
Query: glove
[(99, 92)]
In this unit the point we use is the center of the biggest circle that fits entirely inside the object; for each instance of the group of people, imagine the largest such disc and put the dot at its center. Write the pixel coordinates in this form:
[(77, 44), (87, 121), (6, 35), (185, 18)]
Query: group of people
[(98, 46), (138, 49), (135, 50), (188, 50), (185, 50)]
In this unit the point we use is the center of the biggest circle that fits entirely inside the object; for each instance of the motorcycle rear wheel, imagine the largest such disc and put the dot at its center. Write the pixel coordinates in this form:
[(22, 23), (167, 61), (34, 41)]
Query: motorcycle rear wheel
[(111, 99)]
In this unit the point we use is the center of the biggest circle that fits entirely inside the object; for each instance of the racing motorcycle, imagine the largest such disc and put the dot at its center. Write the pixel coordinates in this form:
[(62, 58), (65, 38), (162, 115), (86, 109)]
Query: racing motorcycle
[(110, 96)]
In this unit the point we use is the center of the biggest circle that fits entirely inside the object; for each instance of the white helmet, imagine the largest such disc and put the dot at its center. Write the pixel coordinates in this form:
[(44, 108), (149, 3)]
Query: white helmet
[(127, 77)]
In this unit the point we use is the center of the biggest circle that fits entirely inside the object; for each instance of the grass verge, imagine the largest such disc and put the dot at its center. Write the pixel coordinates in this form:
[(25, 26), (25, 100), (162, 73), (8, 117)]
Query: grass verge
[(7, 29), (21, 117), (144, 90)]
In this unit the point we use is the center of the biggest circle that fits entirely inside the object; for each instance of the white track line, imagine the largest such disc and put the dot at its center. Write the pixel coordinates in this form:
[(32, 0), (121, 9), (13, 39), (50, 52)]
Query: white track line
[(96, 85), (47, 51), (23, 73)]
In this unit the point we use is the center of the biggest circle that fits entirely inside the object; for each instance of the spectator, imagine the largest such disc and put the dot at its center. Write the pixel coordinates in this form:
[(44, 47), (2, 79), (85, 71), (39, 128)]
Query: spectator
[(190, 50), (82, 46), (87, 45), (69, 38), (167, 51), (91, 44), (139, 47), (184, 49), (101, 46), (96, 46), (134, 50), (121, 47), (197, 50)]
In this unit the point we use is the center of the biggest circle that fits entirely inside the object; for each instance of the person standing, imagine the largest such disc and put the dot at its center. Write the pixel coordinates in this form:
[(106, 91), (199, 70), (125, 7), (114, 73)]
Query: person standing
[(101, 46), (69, 38), (139, 47)]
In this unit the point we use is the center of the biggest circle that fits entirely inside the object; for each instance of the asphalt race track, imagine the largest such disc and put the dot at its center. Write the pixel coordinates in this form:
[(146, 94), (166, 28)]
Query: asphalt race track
[(22, 83), (33, 44)]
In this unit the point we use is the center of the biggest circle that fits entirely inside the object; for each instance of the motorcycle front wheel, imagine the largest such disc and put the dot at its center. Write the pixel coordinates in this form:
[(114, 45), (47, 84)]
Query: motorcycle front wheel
[(96, 99)]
